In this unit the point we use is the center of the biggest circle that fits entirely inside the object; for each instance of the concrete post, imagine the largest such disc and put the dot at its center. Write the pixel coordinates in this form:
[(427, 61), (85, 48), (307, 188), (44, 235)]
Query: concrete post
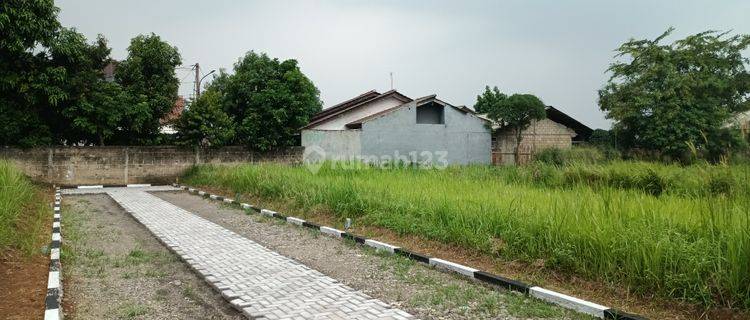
[(50, 166), (127, 160)]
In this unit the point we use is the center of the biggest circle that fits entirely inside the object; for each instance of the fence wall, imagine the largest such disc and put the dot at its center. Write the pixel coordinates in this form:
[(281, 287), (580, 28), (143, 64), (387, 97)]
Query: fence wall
[(123, 165)]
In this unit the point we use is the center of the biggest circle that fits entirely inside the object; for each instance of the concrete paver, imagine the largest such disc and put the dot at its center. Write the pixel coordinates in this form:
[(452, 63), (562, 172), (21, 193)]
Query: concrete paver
[(261, 282)]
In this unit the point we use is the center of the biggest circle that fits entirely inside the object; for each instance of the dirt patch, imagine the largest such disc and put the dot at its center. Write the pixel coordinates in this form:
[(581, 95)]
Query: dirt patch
[(114, 268), (415, 288), (23, 285)]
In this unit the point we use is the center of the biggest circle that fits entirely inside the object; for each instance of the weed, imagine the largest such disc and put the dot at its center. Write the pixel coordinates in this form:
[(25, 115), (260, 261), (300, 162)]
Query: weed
[(132, 310)]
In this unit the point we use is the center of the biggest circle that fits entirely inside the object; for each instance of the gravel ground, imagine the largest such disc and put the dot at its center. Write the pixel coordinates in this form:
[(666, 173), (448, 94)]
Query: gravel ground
[(114, 268), (413, 287)]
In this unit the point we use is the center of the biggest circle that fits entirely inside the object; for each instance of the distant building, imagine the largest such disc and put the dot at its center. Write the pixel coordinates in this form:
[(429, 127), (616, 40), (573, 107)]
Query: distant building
[(167, 122), (558, 130), (742, 122), (389, 126), (109, 71)]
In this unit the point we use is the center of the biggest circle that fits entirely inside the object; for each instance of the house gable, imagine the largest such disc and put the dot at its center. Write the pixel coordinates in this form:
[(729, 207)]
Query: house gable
[(336, 117)]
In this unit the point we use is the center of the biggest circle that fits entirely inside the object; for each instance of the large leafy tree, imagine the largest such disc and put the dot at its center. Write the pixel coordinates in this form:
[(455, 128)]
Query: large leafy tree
[(269, 100), (673, 98), (91, 108), (148, 77), (205, 123), (24, 78), (513, 113)]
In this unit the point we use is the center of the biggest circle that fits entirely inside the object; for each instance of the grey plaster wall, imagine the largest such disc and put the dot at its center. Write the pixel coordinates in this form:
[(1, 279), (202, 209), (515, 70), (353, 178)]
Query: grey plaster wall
[(337, 145), (134, 164), (463, 139)]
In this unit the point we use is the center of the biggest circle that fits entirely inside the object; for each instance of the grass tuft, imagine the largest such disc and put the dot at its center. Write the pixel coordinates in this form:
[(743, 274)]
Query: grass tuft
[(23, 212)]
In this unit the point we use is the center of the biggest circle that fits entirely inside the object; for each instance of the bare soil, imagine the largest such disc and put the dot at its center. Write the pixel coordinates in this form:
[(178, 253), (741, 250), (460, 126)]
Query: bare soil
[(420, 290), (114, 268), (24, 269), (23, 285)]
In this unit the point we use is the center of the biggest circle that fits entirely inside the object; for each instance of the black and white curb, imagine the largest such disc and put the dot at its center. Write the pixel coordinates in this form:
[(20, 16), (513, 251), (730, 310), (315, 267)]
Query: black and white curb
[(550, 296), (100, 186), (52, 303), (53, 300)]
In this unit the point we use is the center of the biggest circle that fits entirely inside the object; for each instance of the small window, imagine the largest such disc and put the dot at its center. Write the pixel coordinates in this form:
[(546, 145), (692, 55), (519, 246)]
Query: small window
[(431, 113)]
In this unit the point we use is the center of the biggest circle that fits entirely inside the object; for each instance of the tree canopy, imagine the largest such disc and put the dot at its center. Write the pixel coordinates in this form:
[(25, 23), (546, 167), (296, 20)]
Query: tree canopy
[(204, 123), (490, 99), (25, 25), (268, 99), (52, 89), (147, 75), (678, 97), (516, 112)]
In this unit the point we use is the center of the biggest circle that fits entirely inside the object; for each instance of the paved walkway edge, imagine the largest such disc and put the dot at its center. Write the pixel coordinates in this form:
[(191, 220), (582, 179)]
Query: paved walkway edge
[(53, 301), (550, 296)]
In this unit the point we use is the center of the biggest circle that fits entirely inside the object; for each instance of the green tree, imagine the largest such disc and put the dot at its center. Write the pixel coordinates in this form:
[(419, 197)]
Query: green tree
[(91, 108), (24, 89), (489, 99), (515, 113), (205, 123), (269, 101), (673, 98), (602, 138), (148, 77)]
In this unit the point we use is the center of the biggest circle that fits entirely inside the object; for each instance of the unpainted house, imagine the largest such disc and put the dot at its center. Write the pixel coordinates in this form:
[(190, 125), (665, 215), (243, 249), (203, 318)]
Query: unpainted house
[(381, 127), (742, 122), (558, 130)]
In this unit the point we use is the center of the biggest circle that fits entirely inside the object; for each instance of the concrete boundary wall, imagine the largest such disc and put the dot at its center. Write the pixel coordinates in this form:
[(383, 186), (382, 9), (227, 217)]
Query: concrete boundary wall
[(120, 165)]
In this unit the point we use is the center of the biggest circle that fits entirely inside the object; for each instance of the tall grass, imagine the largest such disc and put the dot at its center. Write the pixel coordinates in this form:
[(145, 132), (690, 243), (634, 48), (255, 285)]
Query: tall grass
[(22, 212), (685, 243)]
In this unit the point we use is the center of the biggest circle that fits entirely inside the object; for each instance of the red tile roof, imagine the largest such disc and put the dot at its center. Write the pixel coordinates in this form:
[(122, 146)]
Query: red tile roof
[(176, 112)]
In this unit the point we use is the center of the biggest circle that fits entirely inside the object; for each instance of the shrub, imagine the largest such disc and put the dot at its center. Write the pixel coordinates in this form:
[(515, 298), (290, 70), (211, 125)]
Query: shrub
[(551, 156), (652, 183), (721, 184), (575, 155)]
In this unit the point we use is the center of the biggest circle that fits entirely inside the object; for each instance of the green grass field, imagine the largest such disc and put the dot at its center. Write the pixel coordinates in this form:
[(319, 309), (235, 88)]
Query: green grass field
[(22, 212), (681, 232)]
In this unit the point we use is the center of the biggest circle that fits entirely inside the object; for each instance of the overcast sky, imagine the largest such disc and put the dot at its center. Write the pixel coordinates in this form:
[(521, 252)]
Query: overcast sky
[(557, 50)]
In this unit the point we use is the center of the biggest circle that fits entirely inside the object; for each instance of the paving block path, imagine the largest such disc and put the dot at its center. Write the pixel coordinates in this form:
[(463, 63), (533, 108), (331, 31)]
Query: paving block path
[(258, 281)]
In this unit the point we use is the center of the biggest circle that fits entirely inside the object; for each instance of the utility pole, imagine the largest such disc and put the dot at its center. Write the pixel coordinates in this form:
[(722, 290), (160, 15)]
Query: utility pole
[(391, 80), (199, 79), (197, 68)]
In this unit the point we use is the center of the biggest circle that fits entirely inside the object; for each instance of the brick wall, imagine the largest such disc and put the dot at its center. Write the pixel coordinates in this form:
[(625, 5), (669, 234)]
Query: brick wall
[(538, 136), (123, 165)]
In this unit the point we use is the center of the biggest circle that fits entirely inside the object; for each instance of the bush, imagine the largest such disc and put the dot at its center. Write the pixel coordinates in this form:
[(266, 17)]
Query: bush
[(551, 156), (575, 155), (721, 184), (652, 183)]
